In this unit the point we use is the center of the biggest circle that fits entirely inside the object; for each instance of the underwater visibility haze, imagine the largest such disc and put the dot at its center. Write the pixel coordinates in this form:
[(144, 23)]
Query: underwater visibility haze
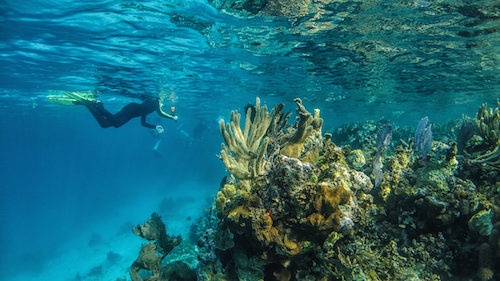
[(304, 140)]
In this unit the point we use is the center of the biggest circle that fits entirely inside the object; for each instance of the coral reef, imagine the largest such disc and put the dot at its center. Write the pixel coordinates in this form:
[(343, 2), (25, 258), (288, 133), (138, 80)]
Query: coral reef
[(299, 207), (312, 213), (287, 215)]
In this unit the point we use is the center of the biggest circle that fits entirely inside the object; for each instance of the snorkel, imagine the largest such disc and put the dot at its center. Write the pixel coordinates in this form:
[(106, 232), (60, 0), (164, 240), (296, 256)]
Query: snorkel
[(163, 112), (160, 107), (162, 96)]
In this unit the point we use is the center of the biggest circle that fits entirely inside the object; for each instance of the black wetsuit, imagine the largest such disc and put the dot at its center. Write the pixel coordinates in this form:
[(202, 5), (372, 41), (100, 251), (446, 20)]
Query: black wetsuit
[(131, 110)]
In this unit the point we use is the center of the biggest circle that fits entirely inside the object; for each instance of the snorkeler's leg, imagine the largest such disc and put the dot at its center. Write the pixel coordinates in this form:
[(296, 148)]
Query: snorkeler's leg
[(102, 118), (106, 119), (98, 107), (128, 112)]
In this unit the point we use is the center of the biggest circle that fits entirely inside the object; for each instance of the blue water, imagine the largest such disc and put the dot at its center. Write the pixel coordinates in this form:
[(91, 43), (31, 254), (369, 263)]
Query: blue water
[(62, 176)]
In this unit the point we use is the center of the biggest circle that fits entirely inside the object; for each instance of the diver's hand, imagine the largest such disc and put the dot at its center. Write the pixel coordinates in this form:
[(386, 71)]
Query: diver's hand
[(159, 129), (175, 117)]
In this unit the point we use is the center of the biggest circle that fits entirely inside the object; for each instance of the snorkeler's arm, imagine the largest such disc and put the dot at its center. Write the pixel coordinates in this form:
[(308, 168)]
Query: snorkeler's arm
[(146, 124), (166, 115)]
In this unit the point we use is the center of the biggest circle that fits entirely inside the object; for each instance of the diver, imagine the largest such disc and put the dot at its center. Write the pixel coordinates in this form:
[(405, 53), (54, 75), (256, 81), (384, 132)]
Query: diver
[(129, 111)]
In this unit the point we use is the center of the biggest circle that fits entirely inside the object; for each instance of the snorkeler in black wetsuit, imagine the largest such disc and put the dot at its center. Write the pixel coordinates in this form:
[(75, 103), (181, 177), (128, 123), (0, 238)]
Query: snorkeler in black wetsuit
[(131, 110)]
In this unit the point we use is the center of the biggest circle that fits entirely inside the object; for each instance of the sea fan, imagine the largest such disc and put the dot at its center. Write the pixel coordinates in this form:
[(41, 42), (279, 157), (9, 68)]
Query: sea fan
[(423, 137)]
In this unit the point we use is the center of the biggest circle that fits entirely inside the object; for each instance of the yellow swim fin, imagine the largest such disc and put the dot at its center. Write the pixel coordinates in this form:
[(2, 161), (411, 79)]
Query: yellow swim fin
[(61, 100), (71, 98), (82, 97)]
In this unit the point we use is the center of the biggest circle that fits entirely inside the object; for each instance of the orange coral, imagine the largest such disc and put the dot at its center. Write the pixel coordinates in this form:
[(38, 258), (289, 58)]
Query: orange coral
[(326, 203), (265, 232)]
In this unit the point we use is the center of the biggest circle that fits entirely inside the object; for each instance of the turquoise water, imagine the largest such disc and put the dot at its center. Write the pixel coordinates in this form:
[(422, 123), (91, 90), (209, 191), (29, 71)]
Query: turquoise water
[(70, 191)]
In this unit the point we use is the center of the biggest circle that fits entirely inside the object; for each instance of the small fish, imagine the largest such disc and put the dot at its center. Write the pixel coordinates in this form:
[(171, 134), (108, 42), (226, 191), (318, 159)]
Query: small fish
[(225, 180)]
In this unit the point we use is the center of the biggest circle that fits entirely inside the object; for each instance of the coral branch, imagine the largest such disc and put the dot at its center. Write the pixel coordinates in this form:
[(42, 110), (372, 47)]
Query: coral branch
[(481, 137), (304, 128), (491, 158), (243, 152)]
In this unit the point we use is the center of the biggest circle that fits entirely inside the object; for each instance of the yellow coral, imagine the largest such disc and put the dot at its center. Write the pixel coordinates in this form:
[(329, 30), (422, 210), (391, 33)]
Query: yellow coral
[(243, 152), (487, 123), (290, 246), (326, 203), (265, 232), (306, 127), (316, 219), (237, 213), (220, 201), (357, 159), (485, 273), (385, 191), (229, 190), (328, 198), (225, 195), (283, 274)]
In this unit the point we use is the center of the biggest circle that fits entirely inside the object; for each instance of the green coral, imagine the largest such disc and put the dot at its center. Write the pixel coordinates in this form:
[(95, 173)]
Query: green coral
[(482, 222), (487, 124), (480, 137), (357, 159)]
